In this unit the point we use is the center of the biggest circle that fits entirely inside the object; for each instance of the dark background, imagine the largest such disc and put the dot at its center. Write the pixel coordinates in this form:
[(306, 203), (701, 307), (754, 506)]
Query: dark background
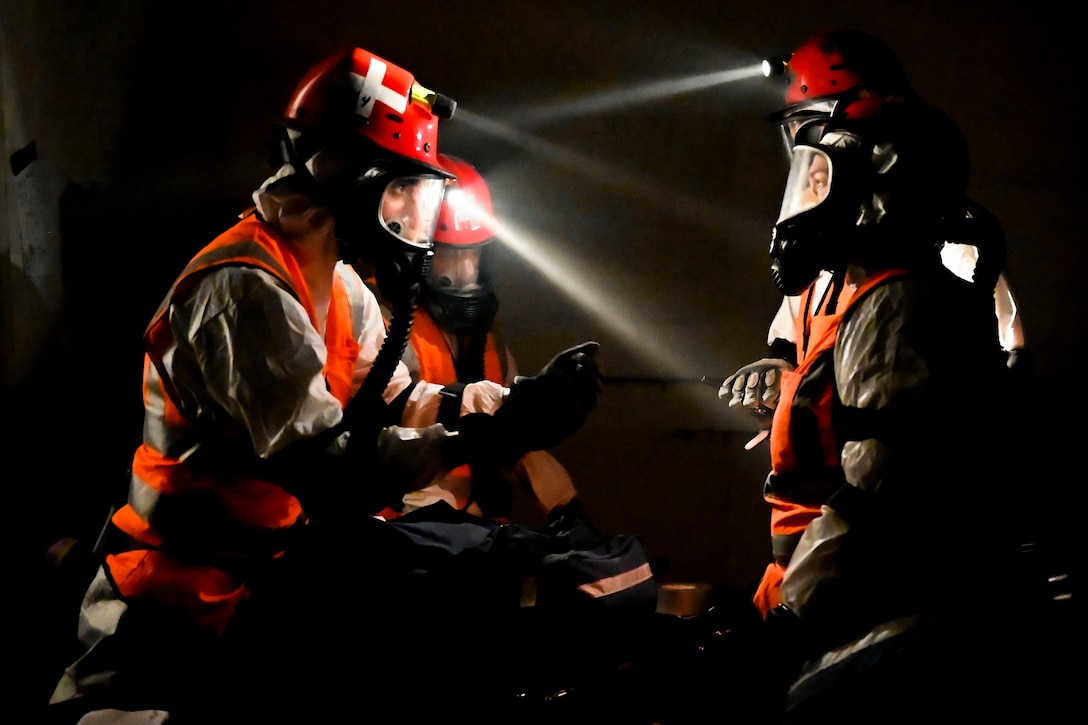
[(136, 133)]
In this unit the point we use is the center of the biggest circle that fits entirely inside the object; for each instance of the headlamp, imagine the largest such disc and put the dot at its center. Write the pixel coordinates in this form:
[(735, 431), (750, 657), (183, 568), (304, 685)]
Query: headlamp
[(775, 66), (437, 103)]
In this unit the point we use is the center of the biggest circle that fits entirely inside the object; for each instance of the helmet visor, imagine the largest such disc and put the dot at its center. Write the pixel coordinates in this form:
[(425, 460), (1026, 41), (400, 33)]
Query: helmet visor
[(808, 183), (409, 208), (790, 119)]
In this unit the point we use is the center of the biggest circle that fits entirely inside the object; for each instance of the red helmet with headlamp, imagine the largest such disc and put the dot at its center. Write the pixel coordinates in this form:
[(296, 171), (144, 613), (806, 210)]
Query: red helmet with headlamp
[(355, 91), (457, 293), (361, 137), (466, 216), (839, 74)]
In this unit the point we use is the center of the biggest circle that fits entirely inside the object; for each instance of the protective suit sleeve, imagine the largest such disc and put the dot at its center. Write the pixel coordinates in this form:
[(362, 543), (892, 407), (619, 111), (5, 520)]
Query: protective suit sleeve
[(412, 457), (879, 367), (364, 463), (426, 399), (248, 349), (815, 563)]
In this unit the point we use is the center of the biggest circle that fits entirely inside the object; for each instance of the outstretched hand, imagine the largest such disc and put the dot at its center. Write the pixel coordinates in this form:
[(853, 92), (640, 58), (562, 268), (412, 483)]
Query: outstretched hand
[(757, 388)]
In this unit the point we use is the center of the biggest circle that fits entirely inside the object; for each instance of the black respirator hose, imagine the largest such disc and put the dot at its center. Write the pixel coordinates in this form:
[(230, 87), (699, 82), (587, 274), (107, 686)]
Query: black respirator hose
[(399, 280), (396, 341), (364, 415)]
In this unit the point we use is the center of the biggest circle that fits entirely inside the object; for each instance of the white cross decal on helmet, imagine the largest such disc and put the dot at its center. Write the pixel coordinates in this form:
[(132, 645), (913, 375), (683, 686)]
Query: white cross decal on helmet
[(371, 89)]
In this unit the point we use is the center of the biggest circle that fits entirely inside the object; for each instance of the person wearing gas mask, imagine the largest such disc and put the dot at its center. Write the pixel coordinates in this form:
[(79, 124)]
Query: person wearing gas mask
[(275, 422), (457, 339), (878, 446), (849, 75)]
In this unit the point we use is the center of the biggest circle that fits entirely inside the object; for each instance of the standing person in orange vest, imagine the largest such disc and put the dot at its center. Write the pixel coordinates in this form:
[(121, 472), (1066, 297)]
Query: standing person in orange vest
[(278, 419), (883, 456), (457, 339), (847, 75)]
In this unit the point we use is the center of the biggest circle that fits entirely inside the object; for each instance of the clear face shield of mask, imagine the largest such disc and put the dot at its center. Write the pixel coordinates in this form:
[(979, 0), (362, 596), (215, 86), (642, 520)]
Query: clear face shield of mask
[(409, 209), (455, 270), (800, 242), (808, 183)]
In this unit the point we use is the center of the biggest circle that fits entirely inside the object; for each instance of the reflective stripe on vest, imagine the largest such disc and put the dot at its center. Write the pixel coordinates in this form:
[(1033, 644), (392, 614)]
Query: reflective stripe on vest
[(356, 292)]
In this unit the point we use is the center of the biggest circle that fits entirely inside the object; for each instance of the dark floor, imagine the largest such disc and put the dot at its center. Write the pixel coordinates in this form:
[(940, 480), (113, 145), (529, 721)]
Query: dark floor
[(526, 666)]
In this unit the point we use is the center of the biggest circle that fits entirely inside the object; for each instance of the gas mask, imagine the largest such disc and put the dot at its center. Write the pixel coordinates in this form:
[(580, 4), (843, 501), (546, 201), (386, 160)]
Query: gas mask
[(822, 206), (364, 135), (456, 292), (386, 211), (877, 192), (407, 212)]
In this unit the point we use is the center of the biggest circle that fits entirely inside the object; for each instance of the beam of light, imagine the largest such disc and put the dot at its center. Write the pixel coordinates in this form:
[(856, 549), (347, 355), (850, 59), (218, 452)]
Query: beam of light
[(573, 278), (670, 362), (622, 98), (570, 275), (638, 185)]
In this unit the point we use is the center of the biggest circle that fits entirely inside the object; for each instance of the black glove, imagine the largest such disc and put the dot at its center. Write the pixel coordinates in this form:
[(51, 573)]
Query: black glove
[(541, 411), (552, 405)]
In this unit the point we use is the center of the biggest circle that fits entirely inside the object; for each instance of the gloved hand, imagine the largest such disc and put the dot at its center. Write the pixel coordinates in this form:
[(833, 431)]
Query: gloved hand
[(552, 405), (541, 410), (757, 387)]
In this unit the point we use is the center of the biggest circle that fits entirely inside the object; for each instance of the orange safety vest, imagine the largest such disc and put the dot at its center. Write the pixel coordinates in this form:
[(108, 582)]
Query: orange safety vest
[(434, 363), (435, 358), (193, 523), (804, 446)]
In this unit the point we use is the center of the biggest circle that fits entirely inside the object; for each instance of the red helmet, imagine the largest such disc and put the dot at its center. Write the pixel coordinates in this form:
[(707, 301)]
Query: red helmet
[(361, 137), (845, 74), (355, 91), (458, 294), (466, 215)]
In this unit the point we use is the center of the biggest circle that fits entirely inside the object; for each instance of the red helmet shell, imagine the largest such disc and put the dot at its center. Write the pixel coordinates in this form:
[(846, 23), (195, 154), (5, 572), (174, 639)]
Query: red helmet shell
[(818, 69), (357, 91), (854, 66), (469, 222)]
